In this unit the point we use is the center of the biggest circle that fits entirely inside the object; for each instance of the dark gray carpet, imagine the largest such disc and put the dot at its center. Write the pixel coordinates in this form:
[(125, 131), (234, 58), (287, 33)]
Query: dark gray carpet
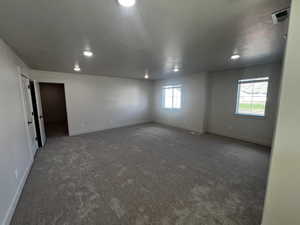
[(146, 174)]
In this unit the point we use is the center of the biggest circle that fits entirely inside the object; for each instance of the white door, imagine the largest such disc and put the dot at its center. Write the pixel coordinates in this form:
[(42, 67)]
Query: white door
[(29, 115), (40, 111)]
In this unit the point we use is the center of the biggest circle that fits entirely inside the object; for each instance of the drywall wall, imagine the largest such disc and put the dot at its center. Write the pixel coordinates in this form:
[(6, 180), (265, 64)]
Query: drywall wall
[(194, 94), (282, 203), (15, 156), (222, 119), (97, 102)]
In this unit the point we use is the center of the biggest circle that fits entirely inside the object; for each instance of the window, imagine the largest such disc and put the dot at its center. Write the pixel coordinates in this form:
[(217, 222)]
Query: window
[(252, 96), (172, 97)]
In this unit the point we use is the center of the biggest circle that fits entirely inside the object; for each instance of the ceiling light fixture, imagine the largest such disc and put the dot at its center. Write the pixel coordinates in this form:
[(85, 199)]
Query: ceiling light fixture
[(235, 57), (88, 53), (146, 75), (175, 69), (77, 68), (127, 3)]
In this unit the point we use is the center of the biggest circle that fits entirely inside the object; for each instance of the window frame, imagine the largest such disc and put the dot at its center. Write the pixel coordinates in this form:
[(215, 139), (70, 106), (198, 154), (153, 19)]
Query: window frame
[(164, 96), (251, 80)]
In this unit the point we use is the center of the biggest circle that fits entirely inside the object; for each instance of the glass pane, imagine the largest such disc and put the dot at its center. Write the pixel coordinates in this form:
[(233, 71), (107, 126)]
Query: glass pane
[(252, 98), (177, 98), (168, 98), (245, 98), (168, 92), (259, 98)]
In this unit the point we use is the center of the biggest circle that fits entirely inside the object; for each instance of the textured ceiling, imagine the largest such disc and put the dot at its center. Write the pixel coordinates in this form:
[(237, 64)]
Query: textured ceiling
[(197, 35)]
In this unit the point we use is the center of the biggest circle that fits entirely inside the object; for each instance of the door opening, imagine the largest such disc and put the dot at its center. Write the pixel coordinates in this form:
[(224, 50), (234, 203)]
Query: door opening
[(54, 109)]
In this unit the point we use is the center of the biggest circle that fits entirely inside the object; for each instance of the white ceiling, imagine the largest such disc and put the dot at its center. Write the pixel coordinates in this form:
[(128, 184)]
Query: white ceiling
[(198, 35)]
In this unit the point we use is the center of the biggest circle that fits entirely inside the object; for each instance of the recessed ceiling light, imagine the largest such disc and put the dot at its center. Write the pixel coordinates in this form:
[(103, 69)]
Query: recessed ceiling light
[(235, 56), (127, 3), (77, 68), (175, 69), (146, 75), (88, 53)]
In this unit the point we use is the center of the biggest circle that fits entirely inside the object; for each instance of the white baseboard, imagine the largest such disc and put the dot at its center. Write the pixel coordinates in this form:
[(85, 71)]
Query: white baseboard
[(87, 131), (189, 129), (250, 140), (14, 202)]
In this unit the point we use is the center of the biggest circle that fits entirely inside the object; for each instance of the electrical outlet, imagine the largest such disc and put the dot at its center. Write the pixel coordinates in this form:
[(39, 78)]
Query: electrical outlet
[(16, 173)]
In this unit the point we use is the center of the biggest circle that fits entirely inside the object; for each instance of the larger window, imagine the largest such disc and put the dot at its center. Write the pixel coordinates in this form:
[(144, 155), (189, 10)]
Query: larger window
[(252, 96), (172, 97)]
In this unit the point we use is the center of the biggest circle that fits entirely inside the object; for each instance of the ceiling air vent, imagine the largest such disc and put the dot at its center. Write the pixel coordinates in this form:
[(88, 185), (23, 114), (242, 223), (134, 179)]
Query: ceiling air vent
[(280, 16)]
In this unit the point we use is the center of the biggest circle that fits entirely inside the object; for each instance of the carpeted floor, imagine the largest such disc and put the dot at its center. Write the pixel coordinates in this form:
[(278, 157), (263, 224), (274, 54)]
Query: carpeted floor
[(145, 175)]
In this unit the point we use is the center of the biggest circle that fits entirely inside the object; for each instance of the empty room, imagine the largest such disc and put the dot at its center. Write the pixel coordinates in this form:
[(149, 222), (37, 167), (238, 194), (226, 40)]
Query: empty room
[(149, 112)]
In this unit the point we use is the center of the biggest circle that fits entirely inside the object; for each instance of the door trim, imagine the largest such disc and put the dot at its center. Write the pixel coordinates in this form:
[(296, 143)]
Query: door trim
[(65, 100), (35, 114), (29, 142)]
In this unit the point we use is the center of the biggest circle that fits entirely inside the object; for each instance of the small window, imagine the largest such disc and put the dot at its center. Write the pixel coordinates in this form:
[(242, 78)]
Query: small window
[(172, 97), (252, 96)]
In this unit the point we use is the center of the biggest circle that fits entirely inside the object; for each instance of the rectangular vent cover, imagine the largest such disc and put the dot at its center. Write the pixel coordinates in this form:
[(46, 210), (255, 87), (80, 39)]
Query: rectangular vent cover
[(280, 16)]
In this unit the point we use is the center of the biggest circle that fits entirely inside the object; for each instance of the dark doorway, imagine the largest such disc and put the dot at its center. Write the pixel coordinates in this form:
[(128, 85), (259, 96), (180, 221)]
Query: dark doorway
[(54, 109)]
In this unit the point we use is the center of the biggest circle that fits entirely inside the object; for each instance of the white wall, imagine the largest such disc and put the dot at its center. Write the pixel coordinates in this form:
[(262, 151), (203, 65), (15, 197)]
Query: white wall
[(192, 114), (93, 103), (15, 156), (283, 193), (222, 102), (96, 102)]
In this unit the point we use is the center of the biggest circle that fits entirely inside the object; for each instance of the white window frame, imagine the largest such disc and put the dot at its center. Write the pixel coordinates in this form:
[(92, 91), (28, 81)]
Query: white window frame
[(163, 97), (251, 80)]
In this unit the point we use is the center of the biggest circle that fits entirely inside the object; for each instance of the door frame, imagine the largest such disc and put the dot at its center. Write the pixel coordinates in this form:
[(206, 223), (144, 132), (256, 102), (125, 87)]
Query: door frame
[(40, 113), (31, 146), (65, 98), (35, 114)]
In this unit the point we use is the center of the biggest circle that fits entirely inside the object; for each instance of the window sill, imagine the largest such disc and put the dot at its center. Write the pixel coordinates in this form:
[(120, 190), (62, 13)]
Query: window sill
[(171, 109), (250, 116)]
